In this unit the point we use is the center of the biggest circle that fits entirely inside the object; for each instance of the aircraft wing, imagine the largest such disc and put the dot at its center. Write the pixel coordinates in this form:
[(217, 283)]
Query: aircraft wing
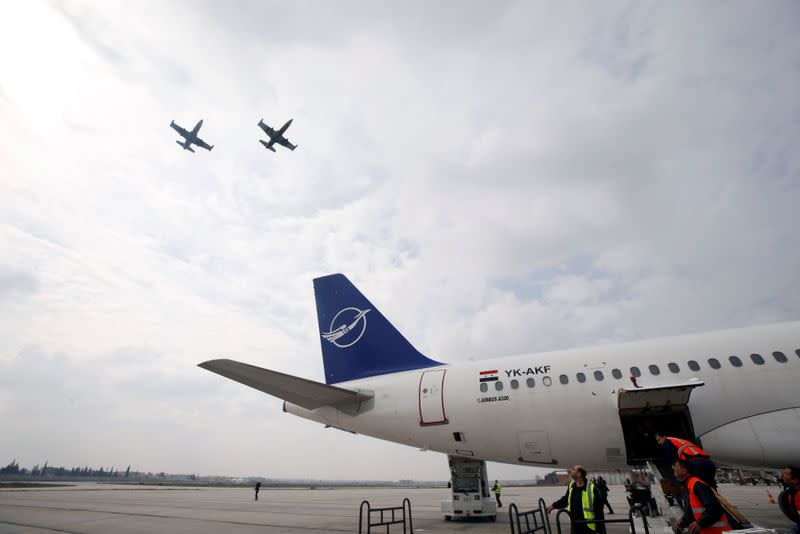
[(300, 391), (285, 142), (202, 144), (180, 130)]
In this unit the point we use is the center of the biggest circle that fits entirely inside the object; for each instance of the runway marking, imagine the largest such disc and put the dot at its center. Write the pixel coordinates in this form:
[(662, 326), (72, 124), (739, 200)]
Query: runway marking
[(160, 516)]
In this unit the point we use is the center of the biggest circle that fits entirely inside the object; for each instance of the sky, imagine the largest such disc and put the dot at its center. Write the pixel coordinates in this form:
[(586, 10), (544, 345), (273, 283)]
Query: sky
[(497, 177)]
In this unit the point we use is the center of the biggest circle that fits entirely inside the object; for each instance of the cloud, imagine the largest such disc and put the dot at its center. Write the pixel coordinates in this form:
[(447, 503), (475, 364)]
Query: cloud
[(91, 31), (16, 284), (497, 180)]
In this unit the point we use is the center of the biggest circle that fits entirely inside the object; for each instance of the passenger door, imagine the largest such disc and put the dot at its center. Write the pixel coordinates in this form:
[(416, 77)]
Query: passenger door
[(431, 398)]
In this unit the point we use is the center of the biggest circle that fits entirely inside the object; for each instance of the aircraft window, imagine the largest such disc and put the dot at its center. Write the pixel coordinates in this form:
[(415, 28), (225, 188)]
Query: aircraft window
[(714, 363), (484, 387), (735, 361), (654, 370), (547, 381), (530, 382), (757, 359), (563, 379), (498, 386), (693, 365), (581, 378), (635, 372), (616, 373), (797, 352), (674, 367), (780, 357), (515, 384), (598, 375)]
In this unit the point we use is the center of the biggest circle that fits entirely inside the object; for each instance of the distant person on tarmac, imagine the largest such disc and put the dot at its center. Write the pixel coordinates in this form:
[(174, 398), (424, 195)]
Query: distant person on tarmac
[(497, 489), (789, 499), (680, 449), (602, 486), (582, 501), (258, 487)]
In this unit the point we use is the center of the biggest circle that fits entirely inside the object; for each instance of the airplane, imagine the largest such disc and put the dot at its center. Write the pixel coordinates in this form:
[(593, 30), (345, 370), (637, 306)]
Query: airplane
[(276, 136), (190, 138), (733, 392)]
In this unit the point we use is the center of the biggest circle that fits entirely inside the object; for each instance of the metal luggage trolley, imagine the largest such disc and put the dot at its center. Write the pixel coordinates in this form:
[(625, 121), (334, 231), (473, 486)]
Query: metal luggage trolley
[(398, 517), (538, 516)]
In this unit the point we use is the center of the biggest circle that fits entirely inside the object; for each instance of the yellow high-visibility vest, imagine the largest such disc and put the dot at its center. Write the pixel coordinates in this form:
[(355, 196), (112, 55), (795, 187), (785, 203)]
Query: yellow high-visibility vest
[(587, 500)]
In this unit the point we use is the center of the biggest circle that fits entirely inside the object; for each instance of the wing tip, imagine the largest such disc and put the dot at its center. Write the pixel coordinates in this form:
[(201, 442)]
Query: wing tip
[(208, 364)]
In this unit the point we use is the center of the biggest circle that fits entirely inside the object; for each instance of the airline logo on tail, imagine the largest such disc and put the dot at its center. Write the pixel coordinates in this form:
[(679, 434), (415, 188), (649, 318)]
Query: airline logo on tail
[(347, 333)]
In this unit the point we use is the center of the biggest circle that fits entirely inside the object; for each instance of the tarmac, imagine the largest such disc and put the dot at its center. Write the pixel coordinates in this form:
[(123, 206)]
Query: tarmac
[(100, 508)]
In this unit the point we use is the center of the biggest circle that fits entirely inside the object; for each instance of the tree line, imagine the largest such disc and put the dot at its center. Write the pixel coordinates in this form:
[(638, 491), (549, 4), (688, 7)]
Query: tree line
[(45, 470)]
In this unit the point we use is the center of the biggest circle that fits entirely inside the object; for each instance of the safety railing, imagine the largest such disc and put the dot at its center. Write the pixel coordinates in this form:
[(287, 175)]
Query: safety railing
[(606, 521), (538, 517), (385, 517)]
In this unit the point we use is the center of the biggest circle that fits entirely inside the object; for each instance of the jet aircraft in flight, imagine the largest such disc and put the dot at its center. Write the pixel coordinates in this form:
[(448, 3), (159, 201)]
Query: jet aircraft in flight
[(190, 138), (276, 136)]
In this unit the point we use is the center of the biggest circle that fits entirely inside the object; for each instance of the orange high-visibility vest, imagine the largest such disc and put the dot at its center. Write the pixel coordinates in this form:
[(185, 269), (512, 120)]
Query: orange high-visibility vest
[(723, 525), (687, 450)]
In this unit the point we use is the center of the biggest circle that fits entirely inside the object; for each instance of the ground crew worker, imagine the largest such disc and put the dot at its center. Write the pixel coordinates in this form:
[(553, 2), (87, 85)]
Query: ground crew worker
[(681, 449), (258, 487), (702, 512), (582, 501), (602, 485), (789, 499), (497, 489)]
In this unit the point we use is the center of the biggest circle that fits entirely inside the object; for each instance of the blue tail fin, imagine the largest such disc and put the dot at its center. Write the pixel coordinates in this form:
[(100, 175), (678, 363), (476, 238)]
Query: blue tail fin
[(357, 340)]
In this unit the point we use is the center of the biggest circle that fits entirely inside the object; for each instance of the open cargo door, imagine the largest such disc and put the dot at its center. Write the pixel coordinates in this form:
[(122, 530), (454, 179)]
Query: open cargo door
[(656, 397), (645, 411)]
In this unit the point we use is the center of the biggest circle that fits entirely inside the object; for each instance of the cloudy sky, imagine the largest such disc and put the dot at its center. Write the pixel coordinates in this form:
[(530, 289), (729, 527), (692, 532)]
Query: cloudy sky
[(497, 177)]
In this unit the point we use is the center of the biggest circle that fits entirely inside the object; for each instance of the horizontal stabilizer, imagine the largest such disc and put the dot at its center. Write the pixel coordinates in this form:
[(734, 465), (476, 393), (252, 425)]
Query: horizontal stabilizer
[(268, 146), (300, 391)]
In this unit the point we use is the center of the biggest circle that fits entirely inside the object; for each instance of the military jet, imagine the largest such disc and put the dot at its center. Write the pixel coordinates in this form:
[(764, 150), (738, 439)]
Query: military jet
[(190, 138), (276, 136)]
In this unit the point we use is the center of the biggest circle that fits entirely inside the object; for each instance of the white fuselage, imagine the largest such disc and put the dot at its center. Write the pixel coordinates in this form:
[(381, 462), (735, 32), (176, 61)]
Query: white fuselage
[(747, 415)]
